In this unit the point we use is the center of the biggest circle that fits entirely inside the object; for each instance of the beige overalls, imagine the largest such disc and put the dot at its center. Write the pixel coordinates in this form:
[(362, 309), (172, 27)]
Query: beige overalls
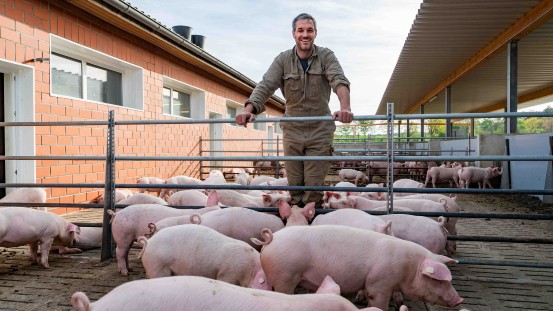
[(307, 94)]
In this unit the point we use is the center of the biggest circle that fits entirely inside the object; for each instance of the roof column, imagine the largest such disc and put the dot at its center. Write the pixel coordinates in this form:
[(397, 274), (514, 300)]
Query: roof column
[(422, 123), (512, 85)]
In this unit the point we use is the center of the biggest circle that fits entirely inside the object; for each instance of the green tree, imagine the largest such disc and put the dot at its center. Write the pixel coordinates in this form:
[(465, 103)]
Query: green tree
[(365, 127), (344, 131), (533, 125)]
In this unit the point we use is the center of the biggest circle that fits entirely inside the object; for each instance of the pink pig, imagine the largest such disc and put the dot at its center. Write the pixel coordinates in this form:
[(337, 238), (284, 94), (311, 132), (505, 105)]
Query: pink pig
[(26, 195), (130, 223), (225, 222), (304, 255), (150, 181), (202, 251), (199, 293), (354, 218), (349, 174), (296, 216), (419, 229), (21, 226), (191, 197)]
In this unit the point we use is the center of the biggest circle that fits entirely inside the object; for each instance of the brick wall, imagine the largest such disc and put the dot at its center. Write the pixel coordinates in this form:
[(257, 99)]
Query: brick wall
[(25, 28)]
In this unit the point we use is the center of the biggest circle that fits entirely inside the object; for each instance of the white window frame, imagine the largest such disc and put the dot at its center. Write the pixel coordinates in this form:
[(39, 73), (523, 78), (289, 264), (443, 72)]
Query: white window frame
[(197, 97), (235, 105), (278, 130), (132, 75)]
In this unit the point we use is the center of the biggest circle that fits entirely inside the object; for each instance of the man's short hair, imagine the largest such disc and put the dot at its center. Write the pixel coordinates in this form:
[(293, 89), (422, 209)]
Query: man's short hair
[(303, 16)]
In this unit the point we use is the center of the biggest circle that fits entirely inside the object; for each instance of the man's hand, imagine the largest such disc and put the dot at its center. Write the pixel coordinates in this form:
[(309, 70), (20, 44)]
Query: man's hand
[(344, 116), (244, 117)]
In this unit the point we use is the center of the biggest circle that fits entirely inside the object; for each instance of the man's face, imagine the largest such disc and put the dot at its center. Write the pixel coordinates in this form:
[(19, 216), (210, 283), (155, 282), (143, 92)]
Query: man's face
[(304, 34)]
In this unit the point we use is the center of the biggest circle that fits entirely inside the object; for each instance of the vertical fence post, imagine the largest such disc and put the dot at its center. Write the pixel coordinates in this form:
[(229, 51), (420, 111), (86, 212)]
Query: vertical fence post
[(109, 190), (390, 156), (277, 169), (200, 154)]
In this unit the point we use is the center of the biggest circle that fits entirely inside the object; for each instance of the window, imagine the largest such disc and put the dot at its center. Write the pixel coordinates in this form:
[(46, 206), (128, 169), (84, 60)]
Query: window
[(176, 103), (232, 108), (278, 130), (80, 72), (183, 100)]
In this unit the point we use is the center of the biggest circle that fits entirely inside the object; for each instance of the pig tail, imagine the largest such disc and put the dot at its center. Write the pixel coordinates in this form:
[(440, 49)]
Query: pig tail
[(144, 242), (267, 236)]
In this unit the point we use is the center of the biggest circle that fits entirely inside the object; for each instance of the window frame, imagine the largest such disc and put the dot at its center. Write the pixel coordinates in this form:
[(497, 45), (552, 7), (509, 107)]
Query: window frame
[(132, 83), (234, 105), (197, 98)]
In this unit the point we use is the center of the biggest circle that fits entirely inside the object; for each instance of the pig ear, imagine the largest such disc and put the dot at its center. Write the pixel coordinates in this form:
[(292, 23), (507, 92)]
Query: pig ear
[(388, 228), (309, 210), (284, 209), (352, 202), (73, 228), (328, 286), (213, 199), (435, 270)]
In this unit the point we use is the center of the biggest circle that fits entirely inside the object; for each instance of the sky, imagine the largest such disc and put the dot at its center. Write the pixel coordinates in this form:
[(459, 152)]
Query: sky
[(366, 36)]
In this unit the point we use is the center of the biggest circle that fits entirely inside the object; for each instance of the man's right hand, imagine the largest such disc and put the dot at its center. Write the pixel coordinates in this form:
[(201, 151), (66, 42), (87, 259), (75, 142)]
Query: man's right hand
[(244, 117)]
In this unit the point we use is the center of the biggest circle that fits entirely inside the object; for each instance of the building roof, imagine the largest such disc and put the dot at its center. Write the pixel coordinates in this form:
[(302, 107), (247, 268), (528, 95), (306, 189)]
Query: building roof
[(130, 19), (463, 44)]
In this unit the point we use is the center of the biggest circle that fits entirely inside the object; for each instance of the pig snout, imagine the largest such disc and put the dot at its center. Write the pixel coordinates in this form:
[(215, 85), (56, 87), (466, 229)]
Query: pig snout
[(80, 301)]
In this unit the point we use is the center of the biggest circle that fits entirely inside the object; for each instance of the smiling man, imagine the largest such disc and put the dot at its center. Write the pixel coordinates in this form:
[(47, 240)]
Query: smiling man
[(306, 74)]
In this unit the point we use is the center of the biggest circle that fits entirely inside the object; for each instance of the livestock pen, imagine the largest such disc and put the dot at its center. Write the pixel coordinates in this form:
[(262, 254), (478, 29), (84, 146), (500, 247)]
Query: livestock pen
[(504, 246)]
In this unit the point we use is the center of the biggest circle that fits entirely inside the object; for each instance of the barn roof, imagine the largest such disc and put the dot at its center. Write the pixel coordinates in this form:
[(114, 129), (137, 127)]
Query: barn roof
[(463, 44)]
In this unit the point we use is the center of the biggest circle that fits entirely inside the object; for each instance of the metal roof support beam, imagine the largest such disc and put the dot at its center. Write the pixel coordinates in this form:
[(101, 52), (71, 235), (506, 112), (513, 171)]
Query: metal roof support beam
[(448, 128), (532, 20), (512, 85)]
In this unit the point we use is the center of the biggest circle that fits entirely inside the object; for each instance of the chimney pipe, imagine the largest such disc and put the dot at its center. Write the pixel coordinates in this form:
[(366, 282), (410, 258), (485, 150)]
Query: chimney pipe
[(184, 31), (198, 40)]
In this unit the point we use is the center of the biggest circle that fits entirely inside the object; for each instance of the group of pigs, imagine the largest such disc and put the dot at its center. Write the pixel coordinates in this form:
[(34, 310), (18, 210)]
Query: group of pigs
[(236, 256), (258, 251), (455, 173)]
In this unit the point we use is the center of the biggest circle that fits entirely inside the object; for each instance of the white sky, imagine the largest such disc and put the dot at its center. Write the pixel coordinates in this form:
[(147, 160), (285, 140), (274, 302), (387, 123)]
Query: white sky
[(366, 36)]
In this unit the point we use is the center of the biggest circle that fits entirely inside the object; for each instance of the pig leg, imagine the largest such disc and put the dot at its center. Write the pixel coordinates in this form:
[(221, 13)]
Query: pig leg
[(286, 283), (122, 254), (44, 250), (69, 250), (159, 271), (33, 247), (378, 294)]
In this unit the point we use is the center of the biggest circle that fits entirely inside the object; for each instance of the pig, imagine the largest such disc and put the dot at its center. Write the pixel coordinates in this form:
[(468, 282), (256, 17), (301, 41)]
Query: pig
[(296, 216), (231, 173), (242, 178), (129, 224), (225, 222), (21, 226), (178, 180), (233, 198), (443, 174), (215, 178), (349, 174), (482, 176), (282, 172), (354, 218), (250, 223), (89, 238), (141, 198), (305, 255), (202, 251), (120, 194), (419, 229), (260, 179), (199, 293), (171, 222), (189, 197), (381, 168), (405, 183), (150, 181), (26, 195), (278, 182), (263, 165)]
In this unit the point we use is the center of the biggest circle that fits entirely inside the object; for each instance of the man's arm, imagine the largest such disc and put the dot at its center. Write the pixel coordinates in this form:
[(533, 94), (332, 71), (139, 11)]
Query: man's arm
[(343, 115), (255, 104)]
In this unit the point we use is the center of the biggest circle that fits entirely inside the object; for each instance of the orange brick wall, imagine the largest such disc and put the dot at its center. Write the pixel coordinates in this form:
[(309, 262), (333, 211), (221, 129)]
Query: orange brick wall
[(25, 27)]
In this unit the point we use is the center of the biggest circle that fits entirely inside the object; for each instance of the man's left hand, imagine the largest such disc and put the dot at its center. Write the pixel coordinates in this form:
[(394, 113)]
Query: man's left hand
[(344, 116)]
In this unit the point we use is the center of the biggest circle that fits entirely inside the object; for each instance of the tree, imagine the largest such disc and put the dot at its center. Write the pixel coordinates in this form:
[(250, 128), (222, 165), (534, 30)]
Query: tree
[(365, 127), (344, 130)]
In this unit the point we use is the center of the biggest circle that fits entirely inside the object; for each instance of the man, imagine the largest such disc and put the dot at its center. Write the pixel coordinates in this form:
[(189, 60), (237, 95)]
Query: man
[(306, 74)]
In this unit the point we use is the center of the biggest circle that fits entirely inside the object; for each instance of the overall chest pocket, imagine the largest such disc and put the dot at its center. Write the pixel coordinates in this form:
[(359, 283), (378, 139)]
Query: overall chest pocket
[(292, 86), (316, 80)]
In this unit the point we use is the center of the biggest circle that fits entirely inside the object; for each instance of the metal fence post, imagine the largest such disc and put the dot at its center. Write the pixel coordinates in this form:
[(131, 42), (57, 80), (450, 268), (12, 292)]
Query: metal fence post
[(390, 156), (200, 154), (109, 191)]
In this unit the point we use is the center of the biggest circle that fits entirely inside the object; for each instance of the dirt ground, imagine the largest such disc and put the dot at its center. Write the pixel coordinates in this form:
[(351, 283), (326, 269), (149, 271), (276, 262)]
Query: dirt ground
[(26, 286)]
